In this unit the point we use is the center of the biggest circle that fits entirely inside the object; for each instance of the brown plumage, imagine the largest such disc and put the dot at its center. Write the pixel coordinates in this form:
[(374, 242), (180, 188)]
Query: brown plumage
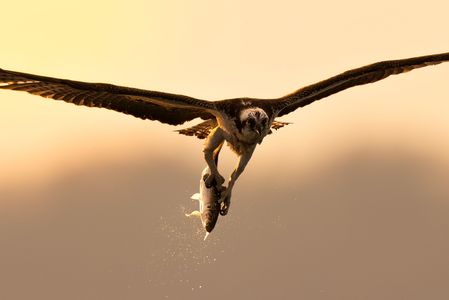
[(167, 108)]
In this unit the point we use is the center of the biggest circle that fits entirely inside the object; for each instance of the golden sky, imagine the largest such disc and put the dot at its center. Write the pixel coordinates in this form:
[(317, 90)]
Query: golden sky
[(215, 51), (387, 131)]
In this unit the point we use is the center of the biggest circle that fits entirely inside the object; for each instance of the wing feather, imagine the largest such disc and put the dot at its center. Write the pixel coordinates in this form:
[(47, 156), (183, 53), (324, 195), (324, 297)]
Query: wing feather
[(164, 107), (201, 130), (364, 75)]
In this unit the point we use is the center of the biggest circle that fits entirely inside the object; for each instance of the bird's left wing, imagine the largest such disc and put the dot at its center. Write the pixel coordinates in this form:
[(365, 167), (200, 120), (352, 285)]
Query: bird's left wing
[(164, 107), (367, 74)]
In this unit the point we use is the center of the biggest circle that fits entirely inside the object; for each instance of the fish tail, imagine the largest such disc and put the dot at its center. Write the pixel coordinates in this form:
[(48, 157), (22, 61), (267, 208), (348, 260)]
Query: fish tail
[(194, 213), (195, 196)]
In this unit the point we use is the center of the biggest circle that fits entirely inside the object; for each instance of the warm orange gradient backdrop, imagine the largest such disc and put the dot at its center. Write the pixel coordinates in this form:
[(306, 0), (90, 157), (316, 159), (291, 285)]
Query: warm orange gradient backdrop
[(213, 50)]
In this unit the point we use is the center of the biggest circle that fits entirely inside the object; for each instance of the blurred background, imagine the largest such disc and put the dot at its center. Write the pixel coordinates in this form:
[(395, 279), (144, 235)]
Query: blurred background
[(349, 202)]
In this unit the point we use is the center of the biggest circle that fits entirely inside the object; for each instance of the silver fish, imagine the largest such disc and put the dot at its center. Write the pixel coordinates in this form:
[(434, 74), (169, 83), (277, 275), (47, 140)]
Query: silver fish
[(209, 207)]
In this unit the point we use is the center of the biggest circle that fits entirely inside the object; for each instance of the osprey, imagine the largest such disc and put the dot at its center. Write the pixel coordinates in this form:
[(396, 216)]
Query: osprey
[(241, 122)]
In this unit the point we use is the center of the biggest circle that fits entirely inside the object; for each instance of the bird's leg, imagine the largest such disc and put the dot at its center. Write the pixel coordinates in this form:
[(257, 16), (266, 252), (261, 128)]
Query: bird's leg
[(206, 176), (216, 153), (212, 148), (225, 199)]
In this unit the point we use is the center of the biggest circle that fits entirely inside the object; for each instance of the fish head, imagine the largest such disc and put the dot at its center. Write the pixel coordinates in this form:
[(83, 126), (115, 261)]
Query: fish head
[(209, 217)]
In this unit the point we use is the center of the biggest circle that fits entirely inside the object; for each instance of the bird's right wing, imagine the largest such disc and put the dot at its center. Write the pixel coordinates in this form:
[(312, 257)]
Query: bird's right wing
[(167, 108)]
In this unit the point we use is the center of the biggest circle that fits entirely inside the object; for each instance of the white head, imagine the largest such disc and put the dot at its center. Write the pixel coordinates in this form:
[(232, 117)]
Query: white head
[(255, 124)]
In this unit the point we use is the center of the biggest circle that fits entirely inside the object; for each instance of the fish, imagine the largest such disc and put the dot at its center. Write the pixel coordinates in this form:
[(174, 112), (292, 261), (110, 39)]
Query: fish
[(209, 208)]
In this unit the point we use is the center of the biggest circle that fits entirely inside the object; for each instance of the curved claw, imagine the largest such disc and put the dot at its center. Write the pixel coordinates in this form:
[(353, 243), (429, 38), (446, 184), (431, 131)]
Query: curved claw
[(224, 210), (213, 180), (225, 203)]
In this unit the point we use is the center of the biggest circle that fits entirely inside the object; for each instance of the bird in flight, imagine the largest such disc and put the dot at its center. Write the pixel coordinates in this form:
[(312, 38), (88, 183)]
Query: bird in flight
[(241, 122)]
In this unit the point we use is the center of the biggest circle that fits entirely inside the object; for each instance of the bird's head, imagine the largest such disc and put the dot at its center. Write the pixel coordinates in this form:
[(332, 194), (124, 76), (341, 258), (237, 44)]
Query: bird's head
[(255, 124)]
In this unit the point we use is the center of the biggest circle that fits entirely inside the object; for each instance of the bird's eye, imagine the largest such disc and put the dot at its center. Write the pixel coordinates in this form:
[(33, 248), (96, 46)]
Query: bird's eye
[(264, 122), (251, 122)]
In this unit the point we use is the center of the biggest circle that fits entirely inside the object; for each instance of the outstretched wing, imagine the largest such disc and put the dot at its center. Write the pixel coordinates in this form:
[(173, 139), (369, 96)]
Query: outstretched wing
[(167, 108), (363, 75)]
